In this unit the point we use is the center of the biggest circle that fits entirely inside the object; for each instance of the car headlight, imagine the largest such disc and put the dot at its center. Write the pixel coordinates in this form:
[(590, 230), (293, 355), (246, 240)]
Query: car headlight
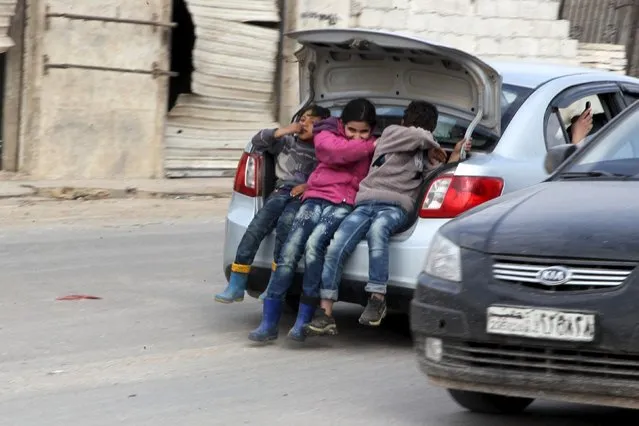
[(444, 259)]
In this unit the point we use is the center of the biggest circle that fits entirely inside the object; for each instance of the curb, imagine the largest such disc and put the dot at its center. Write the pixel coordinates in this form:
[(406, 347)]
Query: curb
[(92, 193), (32, 193)]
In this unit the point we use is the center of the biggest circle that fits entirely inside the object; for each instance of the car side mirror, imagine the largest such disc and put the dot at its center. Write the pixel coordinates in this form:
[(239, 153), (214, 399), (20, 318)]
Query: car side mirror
[(557, 155)]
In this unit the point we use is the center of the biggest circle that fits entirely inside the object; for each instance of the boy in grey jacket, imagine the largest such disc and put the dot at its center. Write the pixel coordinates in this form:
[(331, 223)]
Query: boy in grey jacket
[(385, 199), (295, 160)]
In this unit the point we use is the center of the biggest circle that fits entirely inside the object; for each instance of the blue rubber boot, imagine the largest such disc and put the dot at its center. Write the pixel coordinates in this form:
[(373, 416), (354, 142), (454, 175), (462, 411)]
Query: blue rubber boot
[(263, 295), (234, 292), (304, 316), (268, 328)]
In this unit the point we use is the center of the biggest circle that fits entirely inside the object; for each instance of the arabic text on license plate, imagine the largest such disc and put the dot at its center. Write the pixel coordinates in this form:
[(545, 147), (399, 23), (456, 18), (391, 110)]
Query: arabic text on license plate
[(541, 323)]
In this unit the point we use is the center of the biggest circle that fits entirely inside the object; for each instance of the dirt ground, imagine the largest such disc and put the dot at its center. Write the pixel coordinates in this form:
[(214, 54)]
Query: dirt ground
[(34, 211)]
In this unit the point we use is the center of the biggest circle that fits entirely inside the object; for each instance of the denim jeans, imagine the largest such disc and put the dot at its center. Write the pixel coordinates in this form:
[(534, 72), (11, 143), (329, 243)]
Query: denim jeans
[(277, 213), (376, 222), (313, 227)]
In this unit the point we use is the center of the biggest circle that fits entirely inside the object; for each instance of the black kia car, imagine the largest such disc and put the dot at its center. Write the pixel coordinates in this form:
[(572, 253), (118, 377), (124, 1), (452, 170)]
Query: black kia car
[(536, 294)]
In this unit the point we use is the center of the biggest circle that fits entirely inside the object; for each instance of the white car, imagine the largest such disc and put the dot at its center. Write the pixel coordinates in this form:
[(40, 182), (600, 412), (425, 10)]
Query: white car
[(515, 111)]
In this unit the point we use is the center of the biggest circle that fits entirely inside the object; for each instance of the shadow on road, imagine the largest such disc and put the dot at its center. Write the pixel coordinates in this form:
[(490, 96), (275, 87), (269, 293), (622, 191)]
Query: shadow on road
[(548, 414), (393, 334)]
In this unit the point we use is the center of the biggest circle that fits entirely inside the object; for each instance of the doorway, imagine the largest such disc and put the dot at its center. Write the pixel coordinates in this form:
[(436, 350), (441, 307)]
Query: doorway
[(182, 44)]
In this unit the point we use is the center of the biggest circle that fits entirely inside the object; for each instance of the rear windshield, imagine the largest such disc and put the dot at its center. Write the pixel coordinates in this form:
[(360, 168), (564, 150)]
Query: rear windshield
[(451, 129)]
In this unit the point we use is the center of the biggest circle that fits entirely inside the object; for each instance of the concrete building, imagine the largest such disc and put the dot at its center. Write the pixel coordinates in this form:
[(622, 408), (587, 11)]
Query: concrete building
[(90, 92)]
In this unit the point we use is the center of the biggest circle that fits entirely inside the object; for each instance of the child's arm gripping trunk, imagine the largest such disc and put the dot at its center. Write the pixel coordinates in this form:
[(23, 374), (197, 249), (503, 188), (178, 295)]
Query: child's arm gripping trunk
[(265, 141), (339, 151), (404, 139)]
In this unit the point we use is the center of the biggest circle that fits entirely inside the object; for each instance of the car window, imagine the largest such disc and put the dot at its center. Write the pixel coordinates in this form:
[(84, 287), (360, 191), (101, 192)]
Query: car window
[(616, 152), (630, 97), (512, 97), (451, 129), (554, 131), (559, 125)]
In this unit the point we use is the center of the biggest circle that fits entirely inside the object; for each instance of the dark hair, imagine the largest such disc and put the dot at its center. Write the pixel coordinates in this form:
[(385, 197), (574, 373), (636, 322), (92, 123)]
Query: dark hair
[(421, 114), (360, 110), (317, 111)]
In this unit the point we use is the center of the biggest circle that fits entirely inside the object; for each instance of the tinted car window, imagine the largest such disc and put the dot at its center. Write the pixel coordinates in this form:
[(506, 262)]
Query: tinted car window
[(617, 152), (450, 129), (631, 98)]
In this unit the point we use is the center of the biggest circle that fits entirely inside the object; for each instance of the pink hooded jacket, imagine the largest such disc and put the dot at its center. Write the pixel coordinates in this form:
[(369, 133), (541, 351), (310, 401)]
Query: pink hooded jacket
[(342, 164)]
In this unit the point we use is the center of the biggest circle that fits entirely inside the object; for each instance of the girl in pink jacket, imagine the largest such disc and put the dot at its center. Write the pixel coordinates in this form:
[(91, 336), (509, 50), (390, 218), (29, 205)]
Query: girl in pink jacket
[(344, 149)]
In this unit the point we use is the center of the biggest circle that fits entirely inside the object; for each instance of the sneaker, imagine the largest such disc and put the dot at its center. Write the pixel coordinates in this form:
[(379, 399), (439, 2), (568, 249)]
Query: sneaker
[(321, 325), (374, 313)]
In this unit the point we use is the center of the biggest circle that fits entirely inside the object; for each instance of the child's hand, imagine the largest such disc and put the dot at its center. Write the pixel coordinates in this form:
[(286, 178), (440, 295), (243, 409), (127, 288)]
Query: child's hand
[(291, 129), (298, 190), (464, 144), (437, 154), (582, 126)]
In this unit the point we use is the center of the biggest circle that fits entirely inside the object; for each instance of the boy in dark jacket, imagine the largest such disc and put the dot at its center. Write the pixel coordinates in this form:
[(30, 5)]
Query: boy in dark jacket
[(295, 160), (385, 199)]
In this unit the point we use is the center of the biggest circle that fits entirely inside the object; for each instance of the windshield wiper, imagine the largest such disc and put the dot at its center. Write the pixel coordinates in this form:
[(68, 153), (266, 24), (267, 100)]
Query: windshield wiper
[(593, 174)]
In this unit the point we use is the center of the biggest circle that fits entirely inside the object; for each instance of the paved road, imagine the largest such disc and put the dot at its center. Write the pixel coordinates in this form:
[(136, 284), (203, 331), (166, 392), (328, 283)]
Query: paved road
[(155, 350)]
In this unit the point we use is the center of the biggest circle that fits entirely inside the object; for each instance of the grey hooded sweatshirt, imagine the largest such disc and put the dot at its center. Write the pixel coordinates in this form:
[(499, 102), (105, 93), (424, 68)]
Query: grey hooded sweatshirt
[(398, 166), (295, 159)]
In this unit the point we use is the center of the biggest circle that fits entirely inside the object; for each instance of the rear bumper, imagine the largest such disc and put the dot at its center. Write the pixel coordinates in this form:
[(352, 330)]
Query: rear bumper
[(407, 251), (398, 298)]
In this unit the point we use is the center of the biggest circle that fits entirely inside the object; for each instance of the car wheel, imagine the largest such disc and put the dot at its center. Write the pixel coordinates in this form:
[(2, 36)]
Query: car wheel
[(488, 403), (399, 323), (293, 302)]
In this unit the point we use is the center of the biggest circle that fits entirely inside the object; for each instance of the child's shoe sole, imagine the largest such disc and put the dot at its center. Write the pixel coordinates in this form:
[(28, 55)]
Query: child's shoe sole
[(227, 301), (373, 323), (260, 339), (331, 330)]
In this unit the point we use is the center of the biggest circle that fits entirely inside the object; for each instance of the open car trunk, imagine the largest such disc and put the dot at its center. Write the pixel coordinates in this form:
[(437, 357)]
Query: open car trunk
[(338, 65), (269, 180)]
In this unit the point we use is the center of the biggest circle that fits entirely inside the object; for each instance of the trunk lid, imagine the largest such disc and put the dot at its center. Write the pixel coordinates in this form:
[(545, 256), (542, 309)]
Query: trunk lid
[(338, 64)]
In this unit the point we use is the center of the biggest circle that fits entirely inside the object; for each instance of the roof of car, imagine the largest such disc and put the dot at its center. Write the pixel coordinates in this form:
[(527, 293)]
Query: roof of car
[(532, 75)]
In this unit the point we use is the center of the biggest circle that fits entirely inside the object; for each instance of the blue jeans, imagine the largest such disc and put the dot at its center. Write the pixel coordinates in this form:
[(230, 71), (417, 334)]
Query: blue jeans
[(313, 228), (376, 222), (278, 212)]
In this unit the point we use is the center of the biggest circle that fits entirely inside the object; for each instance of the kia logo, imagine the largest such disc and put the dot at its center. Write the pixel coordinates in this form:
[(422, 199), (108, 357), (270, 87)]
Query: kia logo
[(554, 276)]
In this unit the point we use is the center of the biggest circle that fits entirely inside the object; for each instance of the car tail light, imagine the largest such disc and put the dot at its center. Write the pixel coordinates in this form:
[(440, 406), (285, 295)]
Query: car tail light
[(449, 196), (248, 175)]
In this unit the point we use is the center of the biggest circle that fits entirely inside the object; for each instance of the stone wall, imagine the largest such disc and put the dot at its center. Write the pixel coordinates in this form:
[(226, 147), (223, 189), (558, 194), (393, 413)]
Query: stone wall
[(492, 29), (606, 57), (93, 123), (495, 29)]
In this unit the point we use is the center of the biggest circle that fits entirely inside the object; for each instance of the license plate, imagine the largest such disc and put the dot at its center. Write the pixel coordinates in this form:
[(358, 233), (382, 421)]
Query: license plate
[(541, 323)]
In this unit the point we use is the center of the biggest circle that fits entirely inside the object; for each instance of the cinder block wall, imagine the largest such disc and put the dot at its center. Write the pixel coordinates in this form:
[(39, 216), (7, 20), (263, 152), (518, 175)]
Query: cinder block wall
[(492, 29), (606, 57), (498, 29)]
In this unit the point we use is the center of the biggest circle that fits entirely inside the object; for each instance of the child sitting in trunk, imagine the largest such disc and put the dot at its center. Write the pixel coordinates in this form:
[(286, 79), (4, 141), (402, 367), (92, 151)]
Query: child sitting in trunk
[(385, 199), (293, 146), (344, 150)]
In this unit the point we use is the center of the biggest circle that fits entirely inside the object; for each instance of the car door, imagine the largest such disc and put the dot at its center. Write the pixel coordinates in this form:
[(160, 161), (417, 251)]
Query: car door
[(605, 98), (630, 92)]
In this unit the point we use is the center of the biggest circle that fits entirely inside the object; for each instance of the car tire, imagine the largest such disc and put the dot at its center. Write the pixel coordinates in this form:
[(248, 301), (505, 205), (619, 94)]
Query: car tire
[(487, 403), (293, 302), (399, 323)]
